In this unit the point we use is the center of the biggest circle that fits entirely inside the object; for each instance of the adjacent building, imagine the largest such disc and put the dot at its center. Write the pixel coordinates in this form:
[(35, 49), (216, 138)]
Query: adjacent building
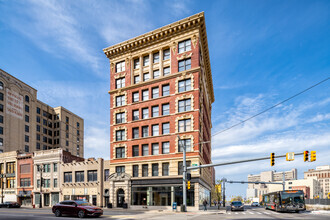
[(28, 125), (161, 95), (322, 174), (25, 179), (8, 176), (83, 180), (47, 175)]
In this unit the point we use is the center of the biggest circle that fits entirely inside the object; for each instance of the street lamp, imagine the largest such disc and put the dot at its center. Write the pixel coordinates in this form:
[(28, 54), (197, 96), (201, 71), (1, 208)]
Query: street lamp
[(40, 169)]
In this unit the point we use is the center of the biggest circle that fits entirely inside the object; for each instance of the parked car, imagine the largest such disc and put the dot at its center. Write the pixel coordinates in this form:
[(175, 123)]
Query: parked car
[(236, 206), (10, 205), (79, 208), (255, 204)]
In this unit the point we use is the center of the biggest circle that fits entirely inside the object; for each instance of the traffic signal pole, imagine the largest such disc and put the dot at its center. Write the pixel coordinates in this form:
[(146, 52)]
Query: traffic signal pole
[(184, 177)]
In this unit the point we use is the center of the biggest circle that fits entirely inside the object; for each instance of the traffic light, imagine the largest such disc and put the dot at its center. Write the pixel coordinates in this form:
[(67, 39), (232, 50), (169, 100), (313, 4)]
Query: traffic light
[(272, 159), (188, 176), (329, 195), (305, 155), (188, 187), (313, 156)]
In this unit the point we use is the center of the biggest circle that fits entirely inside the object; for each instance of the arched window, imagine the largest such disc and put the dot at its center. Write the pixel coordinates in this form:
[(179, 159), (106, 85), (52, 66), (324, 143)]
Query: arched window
[(27, 98), (1, 85)]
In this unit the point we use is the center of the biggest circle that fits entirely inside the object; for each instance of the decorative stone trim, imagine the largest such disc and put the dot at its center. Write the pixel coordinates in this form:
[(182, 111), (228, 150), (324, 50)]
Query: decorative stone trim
[(184, 76), (183, 137), (184, 96), (119, 128), (185, 116), (174, 46), (194, 40), (119, 145), (119, 111), (112, 67), (118, 94), (120, 75), (184, 56)]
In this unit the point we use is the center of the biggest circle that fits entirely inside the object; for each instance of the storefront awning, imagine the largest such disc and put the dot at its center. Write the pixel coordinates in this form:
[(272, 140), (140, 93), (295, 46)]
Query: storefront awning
[(24, 194)]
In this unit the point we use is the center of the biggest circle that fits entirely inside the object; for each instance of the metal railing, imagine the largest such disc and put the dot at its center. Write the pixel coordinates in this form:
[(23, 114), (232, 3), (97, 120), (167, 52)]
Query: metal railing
[(317, 201)]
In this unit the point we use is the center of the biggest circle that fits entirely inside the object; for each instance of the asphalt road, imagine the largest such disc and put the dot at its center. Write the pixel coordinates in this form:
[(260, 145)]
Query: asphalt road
[(249, 213)]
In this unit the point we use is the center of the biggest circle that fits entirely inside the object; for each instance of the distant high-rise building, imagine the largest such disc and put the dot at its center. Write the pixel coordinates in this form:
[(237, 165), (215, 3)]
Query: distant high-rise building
[(28, 125), (161, 95), (322, 174)]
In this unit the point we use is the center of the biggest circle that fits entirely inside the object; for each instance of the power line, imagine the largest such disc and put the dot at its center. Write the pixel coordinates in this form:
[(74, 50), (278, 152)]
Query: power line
[(305, 90)]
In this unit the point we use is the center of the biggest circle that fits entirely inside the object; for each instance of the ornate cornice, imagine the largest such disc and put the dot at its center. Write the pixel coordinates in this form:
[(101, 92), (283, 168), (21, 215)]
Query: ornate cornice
[(196, 21)]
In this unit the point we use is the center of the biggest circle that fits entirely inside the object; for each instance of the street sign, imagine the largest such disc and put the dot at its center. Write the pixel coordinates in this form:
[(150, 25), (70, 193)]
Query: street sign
[(290, 156), (195, 165)]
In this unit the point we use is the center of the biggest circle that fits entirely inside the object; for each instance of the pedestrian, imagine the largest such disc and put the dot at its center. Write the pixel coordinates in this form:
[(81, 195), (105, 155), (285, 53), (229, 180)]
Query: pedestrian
[(215, 203), (204, 204)]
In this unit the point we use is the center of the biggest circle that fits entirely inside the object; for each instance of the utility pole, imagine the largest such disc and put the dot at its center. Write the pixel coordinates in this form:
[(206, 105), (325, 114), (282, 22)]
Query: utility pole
[(2, 185), (184, 191), (283, 180), (224, 191), (40, 169)]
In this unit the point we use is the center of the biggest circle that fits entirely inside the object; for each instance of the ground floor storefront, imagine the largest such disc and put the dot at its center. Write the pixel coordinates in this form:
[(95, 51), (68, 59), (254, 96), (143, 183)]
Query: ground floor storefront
[(25, 198), (161, 193), (92, 195), (48, 199)]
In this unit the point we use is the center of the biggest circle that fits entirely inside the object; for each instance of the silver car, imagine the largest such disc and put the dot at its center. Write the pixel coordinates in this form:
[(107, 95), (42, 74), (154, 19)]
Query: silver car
[(236, 206)]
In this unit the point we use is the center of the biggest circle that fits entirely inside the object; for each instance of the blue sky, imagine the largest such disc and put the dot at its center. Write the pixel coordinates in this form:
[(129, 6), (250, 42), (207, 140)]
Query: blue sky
[(262, 52)]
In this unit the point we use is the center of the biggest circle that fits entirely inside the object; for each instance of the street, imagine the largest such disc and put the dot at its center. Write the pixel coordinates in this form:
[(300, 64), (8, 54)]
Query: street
[(249, 213)]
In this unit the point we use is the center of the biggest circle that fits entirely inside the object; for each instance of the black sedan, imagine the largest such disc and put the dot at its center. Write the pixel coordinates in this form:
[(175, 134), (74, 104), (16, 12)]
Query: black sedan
[(236, 206), (10, 205)]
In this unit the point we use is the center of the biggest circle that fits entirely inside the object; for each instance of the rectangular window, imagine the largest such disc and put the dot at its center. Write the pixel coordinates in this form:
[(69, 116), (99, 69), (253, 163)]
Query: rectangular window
[(145, 170), (120, 152), (184, 125), (155, 130), (68, 177), (145, 95), (27, 108), (55, 167), (145, 113), (184, 46), (25, 182), (166, 54), (120, 66), (38, 110), (180, 167), (120, 83), (1, 119), (38, 119), (120, 100), (27, 128), (165, 169), (155, 111), (55, 183), (184, 64), (156, 57), (184, 85), (166, 109), (156, 74), (106, 174), (135, 170), (184, 105), (47, 168), (165, 147), (166, 128), (186, 143), (136, 151), (120, 169), (145, 131), (27, 118), (120, 135), (146, 76), (120, 118), (137, 63), (155, 149), (27, 139), (46, 183), (136, 79), (136, 115), (166, 71), (155, 92), (80, 176), (135, 133), (136, 97), (166, 90), (92, 175), (155, 169), (146, 60), (145, 150)]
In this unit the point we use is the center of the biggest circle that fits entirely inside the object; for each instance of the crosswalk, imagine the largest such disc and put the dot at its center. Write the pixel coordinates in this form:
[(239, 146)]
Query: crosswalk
[(252, 213)]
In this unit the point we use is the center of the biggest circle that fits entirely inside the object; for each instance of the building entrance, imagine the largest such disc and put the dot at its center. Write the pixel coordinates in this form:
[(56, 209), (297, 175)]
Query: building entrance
[(120, 197)]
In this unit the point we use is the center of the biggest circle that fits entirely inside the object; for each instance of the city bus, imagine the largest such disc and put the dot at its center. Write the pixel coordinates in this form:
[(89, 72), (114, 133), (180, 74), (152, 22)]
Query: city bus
[(288, 200)]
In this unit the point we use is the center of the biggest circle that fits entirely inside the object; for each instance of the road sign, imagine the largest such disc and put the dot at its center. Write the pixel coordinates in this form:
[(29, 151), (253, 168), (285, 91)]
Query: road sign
[(290, 156), (195, 165)]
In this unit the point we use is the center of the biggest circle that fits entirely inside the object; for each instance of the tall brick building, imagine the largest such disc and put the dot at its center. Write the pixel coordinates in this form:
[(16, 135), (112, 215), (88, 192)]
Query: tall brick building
[(160, 89)]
